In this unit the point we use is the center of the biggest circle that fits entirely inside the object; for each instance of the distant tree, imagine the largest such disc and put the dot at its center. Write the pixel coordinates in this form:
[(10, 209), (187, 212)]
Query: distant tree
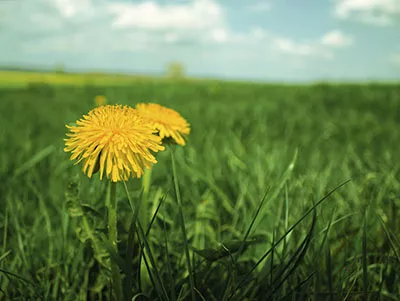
[(175, 70), (59, 68)]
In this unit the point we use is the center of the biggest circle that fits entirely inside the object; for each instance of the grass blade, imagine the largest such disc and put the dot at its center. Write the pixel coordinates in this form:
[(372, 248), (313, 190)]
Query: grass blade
[(153, 218), (365, 257), (285, 177), (41, 155), (308, 278), (286, 233), (130, 248), (159, 284), (391, 238), (297, 257), (329, 272), (170, 274), (183, 228)]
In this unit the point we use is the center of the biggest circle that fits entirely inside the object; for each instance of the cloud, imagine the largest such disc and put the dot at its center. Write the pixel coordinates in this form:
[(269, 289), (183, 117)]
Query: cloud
[(322, 48), (374, 12), (336, 38), (73, 8), (259, 7), (288, 46), (82, 26), (145, 35), (219, 35), (75, 26), (196, 15), (62, 25)]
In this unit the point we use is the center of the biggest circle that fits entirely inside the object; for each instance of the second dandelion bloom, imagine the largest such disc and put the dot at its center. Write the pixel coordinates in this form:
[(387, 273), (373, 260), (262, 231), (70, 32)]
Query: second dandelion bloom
[(168, 122), (100, 100), (115, 140)]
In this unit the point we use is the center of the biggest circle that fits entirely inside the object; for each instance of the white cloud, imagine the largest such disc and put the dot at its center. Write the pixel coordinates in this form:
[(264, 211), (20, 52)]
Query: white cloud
[(72, 8), (336, 38), (74, 25), (286, 45), (196, 30), (259, 7), (375, 12), (196, 15), (322, 48), (219, 35), (55, 24)]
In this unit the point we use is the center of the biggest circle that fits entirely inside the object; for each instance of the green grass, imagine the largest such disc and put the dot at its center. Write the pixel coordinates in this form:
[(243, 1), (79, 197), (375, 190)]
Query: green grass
[(259, 158), (25, 78)]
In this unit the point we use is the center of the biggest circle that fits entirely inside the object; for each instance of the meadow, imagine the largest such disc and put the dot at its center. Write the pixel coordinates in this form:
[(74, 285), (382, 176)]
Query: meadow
[(260, 180)]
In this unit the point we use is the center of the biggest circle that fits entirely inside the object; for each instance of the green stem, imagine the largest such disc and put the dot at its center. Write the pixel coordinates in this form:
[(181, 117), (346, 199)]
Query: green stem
[(146, 182), (182, 222), (113, 237), (144, 218), (144, 208)]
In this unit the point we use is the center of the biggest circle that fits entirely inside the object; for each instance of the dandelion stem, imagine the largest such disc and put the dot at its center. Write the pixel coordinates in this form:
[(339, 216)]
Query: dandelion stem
[(144, 215), (113, 237), (182, 222)]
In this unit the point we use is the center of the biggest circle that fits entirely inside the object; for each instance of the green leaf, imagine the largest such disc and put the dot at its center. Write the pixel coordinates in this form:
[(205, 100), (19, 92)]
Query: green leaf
[(41, 155)]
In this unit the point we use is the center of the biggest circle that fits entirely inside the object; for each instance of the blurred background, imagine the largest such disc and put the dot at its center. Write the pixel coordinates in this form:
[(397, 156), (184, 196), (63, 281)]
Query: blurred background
[(264, 40)]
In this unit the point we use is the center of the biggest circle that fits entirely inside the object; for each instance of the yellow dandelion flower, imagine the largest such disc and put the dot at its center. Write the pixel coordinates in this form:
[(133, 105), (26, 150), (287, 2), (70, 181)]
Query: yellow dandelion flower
[(114, 139), (168, 122), (100, 100)]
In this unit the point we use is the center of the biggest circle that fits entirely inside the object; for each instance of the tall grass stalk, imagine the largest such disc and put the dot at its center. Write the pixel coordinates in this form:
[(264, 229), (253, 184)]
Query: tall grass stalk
[(153, 272), (182, 223), (144, 214), (113, 237)]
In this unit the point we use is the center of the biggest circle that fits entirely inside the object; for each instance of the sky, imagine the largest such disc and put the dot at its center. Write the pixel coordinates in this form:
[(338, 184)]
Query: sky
[(289, 40)]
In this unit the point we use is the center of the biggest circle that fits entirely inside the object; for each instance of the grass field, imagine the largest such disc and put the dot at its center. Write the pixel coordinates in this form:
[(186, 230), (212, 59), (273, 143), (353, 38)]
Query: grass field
[(23, 78), (265, 151)]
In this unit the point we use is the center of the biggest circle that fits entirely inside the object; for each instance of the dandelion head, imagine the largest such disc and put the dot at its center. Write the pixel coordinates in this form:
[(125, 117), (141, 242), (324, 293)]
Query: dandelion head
[(169, 123), (100, 100), (114, 140)]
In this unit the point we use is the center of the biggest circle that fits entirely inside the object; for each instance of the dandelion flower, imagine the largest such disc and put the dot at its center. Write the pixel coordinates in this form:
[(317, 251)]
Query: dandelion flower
[(168, 123), (114, 139), (100, 100)]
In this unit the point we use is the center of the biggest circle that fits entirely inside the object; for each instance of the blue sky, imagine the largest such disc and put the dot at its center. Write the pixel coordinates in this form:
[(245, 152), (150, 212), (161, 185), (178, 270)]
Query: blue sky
[(287, 40)]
